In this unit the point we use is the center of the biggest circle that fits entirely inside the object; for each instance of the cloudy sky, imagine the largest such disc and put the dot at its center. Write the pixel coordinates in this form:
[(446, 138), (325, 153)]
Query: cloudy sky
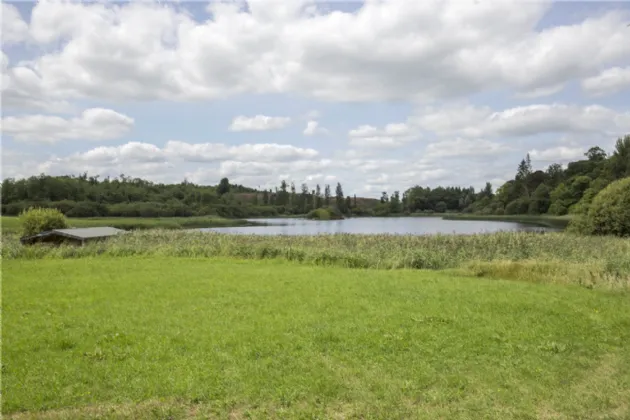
[(379, 95)]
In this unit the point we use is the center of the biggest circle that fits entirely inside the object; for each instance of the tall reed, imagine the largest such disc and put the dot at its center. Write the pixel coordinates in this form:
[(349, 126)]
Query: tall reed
[(552, 257)]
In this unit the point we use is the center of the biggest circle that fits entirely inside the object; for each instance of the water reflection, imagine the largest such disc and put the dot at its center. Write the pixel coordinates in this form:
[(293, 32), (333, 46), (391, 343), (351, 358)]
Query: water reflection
[(374, 225)]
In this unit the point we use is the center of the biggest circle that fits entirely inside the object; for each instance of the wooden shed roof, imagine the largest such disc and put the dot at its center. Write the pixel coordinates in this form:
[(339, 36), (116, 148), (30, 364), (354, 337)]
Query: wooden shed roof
[(79, 234)]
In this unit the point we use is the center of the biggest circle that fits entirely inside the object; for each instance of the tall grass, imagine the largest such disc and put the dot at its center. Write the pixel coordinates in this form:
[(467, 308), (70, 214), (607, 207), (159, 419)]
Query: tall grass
[(552, 257), (11, 224)]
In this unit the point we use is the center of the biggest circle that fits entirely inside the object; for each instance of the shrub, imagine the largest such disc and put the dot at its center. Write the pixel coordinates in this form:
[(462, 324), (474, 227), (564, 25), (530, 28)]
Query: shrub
[(36, 220), (87, 209), (324, 214), (519, 206), (609, 213)]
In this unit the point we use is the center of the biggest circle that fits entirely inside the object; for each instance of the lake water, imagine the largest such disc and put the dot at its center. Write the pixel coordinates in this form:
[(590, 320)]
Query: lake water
[(377, 225)]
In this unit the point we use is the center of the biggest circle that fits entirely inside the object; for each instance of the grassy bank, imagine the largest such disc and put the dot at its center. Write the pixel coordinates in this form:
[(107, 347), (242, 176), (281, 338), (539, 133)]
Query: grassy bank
[(10, 224), (149, 338), (560, 222), (552, 257)]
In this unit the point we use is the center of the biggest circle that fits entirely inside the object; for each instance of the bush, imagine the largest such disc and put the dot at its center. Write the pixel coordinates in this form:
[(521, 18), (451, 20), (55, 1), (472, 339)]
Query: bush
[(36, 220), (87, 209), (519, 206), (324, 214), (609, 213)]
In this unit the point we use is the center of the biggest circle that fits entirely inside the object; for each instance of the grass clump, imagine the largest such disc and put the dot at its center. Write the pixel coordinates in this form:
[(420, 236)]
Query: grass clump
[(176, 338), (36, 220), (593, 261)]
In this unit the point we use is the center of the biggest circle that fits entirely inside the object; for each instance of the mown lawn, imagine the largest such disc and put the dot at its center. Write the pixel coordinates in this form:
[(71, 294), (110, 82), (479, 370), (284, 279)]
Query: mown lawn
[(188, 338)]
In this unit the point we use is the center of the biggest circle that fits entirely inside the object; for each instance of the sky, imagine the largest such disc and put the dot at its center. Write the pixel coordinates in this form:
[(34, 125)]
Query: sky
[(378, 95)]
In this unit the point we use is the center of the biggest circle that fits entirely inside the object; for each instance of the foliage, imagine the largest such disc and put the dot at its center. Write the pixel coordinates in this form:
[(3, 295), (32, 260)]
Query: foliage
[(609, 214), (557, 191), (328, 213), (239, 339), (36, 220), (85, 196)]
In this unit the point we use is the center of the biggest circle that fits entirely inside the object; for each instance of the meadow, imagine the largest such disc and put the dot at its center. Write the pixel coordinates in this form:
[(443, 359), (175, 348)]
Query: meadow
[(148, 337), (176, 324), (593, 262), (11, 224)]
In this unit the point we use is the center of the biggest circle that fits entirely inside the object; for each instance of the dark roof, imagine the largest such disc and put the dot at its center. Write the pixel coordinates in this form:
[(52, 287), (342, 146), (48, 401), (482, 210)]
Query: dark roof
[(76, 233), (88, 233)]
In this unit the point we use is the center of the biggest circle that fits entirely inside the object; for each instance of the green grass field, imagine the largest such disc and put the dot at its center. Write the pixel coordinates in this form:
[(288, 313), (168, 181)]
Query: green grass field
[(11, 224), (218, 338)]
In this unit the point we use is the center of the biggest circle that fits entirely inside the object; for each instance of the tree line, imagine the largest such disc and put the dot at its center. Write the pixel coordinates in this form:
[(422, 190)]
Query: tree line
[(90, 196), (555, 190)]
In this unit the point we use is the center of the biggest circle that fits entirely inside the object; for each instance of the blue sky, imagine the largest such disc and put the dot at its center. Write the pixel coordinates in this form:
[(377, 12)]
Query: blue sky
[(445, 93)]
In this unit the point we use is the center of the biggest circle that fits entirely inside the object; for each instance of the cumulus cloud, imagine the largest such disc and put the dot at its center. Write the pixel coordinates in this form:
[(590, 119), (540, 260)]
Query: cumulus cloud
[(93, 124), (470, 121), (213, 152), (392, 135), (258, 123), (418, 50), (313, 128), (22, 90), (464, 147), (14, 29), (557, 154), (609, 81)]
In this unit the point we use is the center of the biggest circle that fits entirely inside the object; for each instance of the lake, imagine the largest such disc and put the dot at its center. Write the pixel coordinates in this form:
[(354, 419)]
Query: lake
[(377, 225)]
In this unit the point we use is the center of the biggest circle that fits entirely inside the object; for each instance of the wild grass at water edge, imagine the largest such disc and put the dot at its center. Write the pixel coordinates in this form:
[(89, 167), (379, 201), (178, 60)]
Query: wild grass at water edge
[(11, 224), (602, 262), (556, 222)]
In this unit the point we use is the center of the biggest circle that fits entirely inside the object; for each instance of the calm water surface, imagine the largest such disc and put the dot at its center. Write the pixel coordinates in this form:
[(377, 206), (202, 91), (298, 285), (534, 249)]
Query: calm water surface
[(368, 225)]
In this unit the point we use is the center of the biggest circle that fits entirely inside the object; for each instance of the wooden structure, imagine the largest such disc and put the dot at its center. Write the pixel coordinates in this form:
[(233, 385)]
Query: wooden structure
[(77, 236)]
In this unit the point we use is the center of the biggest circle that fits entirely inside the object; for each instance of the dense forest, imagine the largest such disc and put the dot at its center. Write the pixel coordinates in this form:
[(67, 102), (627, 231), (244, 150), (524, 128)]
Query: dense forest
[(556, 191)]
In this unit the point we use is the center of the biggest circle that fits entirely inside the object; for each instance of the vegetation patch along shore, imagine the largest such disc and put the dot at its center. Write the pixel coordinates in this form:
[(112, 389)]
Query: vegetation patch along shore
[(11, 224), (592, 261), (148, 338), (556, 222)]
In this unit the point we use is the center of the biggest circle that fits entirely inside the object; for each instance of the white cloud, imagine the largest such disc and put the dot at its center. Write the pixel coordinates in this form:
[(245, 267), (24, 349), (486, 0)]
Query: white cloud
[(178, 151), (14, 29), (93, 124), (258, 123), (557, 154), (312, 115), (313, 128), (213, 152), (418, 50), (469, 121), (22, 89), (393, 130), (464, 147), (267, 174), (258, 163), (393, 135), (609, 81)]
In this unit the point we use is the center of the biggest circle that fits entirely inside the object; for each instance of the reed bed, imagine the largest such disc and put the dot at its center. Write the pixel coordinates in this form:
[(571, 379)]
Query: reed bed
[(550, 257), (11, 224)]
